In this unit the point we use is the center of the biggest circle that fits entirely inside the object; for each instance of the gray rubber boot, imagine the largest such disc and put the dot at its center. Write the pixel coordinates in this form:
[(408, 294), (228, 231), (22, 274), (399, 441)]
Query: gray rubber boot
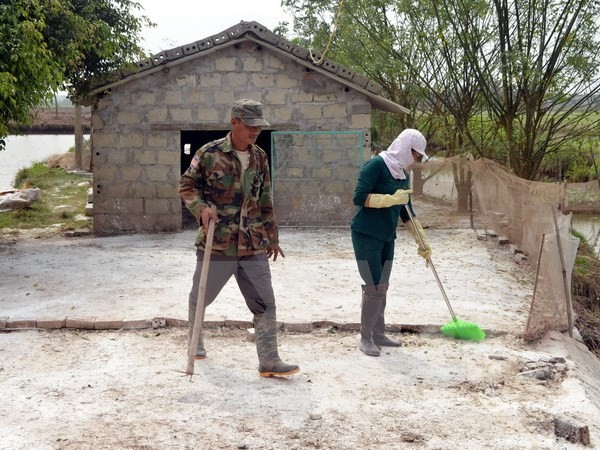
[(270, 365), (379, 337), (371, 304)]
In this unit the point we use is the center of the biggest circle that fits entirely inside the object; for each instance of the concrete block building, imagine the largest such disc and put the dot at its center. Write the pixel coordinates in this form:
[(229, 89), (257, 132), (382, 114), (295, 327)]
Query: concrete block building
[(147, 125)]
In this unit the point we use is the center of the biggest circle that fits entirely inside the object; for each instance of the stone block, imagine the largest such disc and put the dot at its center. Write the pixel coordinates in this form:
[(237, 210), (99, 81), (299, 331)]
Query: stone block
[(345, 73), (105, 140), (373, 87), (213, 324), (264, 33), (131, 140), (305, 327), (360, 80), (174, 97), (79, 232), (82, 323), (145, 98), (238, 324), (571, 431), (360, 121), (156, 206), (108, 324), (159, 58), (300, 52), (144, 157), (220, 38), (157, 141), (159, 322), (158, 172), (21, 323), (334, 111), (514, 249), (324, 324), (252, 64), (190, 48), (127, 118), (329, 66), (491, 233), (181, 114), (157, 115), (226, 64), (349, 326), (116, 157), (171, 322), (250, 335), (521, 258), (131, 173), (137, 324), (503, 240)]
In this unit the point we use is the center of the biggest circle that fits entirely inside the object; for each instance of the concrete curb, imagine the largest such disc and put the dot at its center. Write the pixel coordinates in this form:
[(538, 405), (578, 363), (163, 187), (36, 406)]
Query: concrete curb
[(113, 324)]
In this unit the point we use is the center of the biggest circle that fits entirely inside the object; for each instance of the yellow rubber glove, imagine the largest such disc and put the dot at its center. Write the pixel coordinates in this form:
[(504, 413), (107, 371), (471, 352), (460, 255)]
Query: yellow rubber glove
[(400, 197), (424, 252)]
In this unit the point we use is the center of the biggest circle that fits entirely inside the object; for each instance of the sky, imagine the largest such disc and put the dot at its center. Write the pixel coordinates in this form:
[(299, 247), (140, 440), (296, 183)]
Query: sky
[(180, 22)]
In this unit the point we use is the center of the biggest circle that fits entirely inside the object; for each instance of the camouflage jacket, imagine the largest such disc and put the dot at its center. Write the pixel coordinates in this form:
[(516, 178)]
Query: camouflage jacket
[(246, 216)]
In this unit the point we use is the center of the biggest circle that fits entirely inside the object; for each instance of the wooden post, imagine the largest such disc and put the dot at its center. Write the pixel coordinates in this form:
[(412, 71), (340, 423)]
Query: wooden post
[(78, 138)]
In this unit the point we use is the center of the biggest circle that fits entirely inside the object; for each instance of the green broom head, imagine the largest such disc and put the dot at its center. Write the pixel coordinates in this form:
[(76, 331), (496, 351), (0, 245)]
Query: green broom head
[(461, 329)]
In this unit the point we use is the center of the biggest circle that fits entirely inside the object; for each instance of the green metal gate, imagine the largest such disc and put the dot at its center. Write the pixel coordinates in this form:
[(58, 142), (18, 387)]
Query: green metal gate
[(314, 174)]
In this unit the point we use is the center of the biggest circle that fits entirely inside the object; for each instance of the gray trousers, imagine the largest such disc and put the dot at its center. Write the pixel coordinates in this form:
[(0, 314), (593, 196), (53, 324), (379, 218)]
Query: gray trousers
[(252, 274)]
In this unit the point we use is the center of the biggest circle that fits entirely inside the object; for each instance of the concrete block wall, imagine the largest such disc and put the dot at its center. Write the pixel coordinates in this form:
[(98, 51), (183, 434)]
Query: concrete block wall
[(136, 128)]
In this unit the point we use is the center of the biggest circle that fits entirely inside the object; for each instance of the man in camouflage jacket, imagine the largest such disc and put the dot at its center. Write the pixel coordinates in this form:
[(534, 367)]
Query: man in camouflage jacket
[(228, 182)]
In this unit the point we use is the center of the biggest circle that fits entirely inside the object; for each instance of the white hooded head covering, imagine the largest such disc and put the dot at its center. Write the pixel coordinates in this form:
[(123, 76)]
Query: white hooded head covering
[(398, 155)]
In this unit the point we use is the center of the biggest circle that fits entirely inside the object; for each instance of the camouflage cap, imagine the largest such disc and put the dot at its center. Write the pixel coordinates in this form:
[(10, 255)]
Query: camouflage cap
[(250, 111)]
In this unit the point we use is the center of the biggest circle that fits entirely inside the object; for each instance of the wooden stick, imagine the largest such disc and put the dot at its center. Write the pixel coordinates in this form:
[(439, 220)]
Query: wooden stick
[(199, 317), (535, 284), (567, 292), (595, 166)]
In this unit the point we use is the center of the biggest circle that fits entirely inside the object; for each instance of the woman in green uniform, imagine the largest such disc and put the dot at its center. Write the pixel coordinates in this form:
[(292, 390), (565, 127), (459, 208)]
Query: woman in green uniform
[(381, 191)]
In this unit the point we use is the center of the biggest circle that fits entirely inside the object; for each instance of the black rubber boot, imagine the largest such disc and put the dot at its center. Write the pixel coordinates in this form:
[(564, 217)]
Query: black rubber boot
[(379, 337), (270, 365), (371, 304)]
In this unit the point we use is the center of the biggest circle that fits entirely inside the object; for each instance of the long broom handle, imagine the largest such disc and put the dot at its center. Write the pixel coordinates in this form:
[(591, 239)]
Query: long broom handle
[(199, 317), (430, 262)]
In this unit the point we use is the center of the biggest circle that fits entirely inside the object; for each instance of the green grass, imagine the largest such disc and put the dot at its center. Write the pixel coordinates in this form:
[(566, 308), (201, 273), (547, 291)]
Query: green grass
[(63, 198), (586, 294)]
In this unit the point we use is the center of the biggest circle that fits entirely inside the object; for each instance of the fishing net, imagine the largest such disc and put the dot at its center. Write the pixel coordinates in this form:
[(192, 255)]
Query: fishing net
[(529, 214)]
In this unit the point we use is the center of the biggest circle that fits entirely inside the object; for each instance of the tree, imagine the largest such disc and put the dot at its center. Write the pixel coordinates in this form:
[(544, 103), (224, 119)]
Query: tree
[(47, 45), (538, 73), (29, 71)]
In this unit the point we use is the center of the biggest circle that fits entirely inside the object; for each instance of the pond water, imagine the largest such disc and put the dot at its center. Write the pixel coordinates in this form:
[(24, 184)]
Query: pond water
[(589, 226), (22, 151)]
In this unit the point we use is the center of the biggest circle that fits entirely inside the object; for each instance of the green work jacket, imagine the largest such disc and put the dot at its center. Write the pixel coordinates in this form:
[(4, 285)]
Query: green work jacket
[(245, 210), (379, 223)]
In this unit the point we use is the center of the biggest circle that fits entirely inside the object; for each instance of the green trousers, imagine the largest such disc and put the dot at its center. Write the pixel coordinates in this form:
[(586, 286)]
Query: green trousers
[(374, 258)]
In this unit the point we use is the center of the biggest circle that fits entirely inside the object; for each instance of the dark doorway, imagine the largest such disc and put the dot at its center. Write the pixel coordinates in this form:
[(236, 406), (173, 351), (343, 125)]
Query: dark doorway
[(192, 140)]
